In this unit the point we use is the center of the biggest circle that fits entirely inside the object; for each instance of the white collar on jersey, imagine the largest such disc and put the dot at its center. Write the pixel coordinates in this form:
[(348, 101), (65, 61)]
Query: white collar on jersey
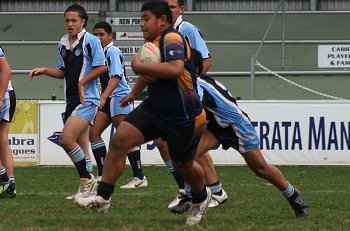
[(178, 22), (65, 40), (108, 46)]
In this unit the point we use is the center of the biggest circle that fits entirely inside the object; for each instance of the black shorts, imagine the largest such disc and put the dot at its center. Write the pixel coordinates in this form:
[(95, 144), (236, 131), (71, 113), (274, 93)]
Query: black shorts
[(106, 108), (182, 136), (9, 107)]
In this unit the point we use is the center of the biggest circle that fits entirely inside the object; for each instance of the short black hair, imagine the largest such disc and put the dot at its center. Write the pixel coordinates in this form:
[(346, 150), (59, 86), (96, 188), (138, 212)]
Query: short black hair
[(80, 10), (197, 58), (181, 2), (104, 25), (158, 8)]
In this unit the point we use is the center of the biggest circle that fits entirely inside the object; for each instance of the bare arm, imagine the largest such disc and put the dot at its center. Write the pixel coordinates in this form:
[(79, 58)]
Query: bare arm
[(95, 73), (4, 77), (112, 85), (164, 70), (52, 72), (140, 84), (206, 65)]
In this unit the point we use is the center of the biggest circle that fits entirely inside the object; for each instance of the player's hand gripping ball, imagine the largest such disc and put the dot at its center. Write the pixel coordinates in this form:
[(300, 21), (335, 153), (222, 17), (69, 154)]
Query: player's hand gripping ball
[(149, 53)]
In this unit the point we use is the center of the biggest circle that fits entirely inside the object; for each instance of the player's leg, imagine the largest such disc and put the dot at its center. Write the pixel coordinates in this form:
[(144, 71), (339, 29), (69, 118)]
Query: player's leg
[(181, 195), (126, 137), (98, 146), (83, 141), (248, 145), (130, 133), (7, 186), (3, 174), (134, 155), (182, 150), (139, 180), (209, 142), (261, 168), (72, 129)]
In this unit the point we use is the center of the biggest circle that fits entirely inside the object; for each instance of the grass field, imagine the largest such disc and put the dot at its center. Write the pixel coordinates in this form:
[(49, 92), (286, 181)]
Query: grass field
[(253, 204)]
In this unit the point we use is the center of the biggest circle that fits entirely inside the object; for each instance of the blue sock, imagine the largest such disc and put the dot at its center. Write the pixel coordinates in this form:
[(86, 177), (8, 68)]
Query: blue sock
[(178, 178), (99, 150), (216, 188), (188, 190), (12, 178), (77, 157), (3, 175), (288, 191), (88, 164)]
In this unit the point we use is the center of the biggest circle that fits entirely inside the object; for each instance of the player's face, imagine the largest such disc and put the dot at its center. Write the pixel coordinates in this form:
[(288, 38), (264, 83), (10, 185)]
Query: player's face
[(151, 27), (104, 37), (74, 23), (176, 9)]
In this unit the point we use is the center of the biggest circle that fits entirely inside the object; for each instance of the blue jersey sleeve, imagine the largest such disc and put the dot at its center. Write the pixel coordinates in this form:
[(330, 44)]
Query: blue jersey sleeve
[(195, 39), (2, 53), (97, 53), (114, 62), (60, 64)]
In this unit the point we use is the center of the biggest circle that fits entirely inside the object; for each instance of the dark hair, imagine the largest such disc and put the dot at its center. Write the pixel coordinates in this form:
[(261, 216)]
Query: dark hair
[(197, 58), (181, 2), (158, 8), (80, 10), (104, 25)]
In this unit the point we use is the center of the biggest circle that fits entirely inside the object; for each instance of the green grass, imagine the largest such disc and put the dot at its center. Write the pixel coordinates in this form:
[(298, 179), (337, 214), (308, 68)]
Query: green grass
[(253, 203)]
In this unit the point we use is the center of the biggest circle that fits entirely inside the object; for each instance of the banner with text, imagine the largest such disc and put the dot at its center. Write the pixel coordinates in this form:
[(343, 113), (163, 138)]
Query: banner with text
[(23, 132), (291, 133)]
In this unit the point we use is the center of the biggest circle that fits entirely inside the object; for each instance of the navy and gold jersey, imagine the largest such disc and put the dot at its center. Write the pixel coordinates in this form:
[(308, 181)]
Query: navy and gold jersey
[(176, 98)]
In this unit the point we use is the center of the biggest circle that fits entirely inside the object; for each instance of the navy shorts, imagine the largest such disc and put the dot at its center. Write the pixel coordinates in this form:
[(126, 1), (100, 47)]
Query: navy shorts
[(8, 106), (182, 136), (241, 136)]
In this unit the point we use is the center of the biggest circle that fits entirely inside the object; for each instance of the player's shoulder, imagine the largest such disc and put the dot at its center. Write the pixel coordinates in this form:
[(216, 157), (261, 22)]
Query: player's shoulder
[(2, 52), (90, 37), (113, 50), (187, 26), (172, 35)]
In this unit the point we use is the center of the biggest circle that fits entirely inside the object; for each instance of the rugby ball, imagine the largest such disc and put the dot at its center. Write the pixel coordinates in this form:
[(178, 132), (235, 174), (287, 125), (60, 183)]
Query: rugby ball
[(149, 53)]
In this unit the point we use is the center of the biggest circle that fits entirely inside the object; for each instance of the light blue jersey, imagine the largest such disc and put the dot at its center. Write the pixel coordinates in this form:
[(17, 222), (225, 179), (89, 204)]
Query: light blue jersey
[(2, 55), (77, 61), (8, 99), (116, 69), (223, 104), (193, 36), (230, 125)]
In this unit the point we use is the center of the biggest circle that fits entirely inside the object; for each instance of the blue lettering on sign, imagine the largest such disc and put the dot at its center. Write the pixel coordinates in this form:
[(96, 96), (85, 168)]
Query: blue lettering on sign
[(317, 135), (286, 128)]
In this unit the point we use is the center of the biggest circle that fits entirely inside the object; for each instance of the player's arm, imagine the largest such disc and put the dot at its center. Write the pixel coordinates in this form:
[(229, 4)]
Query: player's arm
[(206, 64), (172, 67), (140, 84), (112, 85), (4, 77), (94, 74), (52, 72), (165, 70)]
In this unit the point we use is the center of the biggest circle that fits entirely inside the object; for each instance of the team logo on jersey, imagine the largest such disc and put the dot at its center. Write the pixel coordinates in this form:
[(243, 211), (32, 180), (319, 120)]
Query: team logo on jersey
[(63, 52), (77, 52)]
